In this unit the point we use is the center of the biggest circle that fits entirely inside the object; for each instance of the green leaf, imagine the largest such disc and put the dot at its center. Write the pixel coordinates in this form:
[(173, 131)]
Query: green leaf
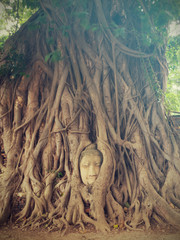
[(94, 27), (127, 205), (85, 24), (178, 55), (56, 56), (162, 19), (47, 57), (60, 175), (53, 56)]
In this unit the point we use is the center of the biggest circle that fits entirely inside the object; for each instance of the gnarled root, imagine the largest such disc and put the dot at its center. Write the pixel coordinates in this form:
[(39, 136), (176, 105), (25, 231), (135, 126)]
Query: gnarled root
[(9, 182), (115, 211), (152, 205)]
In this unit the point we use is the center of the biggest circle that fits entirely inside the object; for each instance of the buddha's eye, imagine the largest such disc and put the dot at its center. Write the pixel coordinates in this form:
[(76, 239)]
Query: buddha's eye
[(85, 165), (98, 164)]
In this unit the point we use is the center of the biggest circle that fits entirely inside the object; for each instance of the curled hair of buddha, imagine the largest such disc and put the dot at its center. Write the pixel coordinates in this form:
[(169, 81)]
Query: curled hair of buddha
[(91, 150)]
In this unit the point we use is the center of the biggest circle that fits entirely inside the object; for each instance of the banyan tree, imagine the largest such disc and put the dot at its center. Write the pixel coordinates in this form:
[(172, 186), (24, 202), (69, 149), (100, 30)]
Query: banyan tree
[(86, 80)]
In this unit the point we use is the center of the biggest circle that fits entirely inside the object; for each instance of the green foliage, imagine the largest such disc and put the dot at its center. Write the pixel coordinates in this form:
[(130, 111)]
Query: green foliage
[(172, 99), (32, 4), (127, 205), (2, 41), (54, 56), (77, 11), (60, 175), (117, 31), (172, 95), (15, 13), (150, 20), (173, 52), (148, 25), (37, 23), (13, 67)]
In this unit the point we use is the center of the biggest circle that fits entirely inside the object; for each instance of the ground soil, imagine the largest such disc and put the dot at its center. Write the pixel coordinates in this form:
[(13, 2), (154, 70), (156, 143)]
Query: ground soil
[(11, 232)]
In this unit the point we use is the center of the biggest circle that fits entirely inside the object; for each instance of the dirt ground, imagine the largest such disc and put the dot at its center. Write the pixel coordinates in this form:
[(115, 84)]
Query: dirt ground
[(10, 232)]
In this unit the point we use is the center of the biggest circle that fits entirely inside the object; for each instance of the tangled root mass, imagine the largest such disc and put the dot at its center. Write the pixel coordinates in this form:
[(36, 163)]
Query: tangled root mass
[(83, 85)]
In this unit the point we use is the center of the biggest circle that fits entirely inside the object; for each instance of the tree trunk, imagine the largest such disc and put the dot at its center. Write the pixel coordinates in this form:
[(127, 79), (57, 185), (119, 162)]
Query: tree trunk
[(85, 85)]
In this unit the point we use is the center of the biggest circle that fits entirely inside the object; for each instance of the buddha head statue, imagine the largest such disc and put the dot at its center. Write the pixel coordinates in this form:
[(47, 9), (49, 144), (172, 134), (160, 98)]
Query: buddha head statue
[(90, 163)]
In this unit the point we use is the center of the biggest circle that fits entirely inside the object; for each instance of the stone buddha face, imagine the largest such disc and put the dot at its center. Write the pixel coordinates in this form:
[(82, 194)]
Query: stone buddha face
[(90, 164)]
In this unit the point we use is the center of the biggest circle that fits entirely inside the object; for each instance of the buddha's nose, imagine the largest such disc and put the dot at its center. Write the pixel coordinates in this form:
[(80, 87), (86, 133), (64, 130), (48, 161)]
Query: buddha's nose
[(91, 170)]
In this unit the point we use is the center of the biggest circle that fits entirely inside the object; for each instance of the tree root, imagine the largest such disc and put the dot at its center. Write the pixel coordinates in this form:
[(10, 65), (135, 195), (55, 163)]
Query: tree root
[(115, 211), (160, 206)]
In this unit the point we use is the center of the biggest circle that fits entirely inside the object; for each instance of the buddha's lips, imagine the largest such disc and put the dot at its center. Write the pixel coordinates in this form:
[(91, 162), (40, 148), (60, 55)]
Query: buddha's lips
[(95, 176)]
